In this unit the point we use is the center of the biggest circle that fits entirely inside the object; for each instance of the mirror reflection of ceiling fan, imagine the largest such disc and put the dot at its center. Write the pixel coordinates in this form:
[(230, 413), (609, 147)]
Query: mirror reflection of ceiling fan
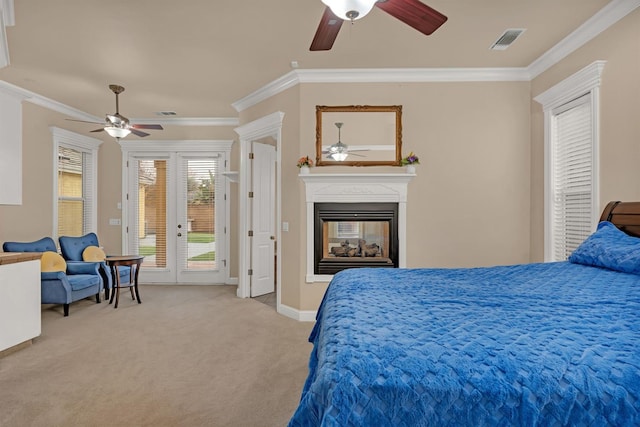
[(412, 12), (117, 125), (339, 151)]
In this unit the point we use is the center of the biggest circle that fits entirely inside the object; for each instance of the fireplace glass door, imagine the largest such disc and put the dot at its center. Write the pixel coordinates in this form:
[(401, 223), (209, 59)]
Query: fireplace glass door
[(355, 235), (362, 239)]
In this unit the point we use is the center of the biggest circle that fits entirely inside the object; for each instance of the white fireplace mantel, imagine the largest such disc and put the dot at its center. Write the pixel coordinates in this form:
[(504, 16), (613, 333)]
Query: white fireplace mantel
[(355, 188)]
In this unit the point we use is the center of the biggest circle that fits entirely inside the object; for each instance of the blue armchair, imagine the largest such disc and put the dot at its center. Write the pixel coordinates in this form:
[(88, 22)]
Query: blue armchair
[(61, 287), (72, 249)]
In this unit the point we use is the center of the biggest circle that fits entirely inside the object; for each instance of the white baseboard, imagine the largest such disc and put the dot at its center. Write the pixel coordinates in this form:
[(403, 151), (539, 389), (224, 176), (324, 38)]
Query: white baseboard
[(232, 281), (299, 315)]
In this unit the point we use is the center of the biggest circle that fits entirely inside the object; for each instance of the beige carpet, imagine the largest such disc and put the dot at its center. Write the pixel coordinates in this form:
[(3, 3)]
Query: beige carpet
[(187, 356)]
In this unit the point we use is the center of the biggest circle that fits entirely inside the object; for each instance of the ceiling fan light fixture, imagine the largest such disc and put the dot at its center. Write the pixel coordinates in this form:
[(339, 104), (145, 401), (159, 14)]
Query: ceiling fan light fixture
[(339, 150), (350, 10), (117, 132), (339, 157)]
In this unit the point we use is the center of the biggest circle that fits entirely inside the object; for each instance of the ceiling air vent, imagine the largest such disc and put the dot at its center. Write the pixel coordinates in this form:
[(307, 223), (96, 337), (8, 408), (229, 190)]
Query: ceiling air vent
[(165, 113), (508, 37)]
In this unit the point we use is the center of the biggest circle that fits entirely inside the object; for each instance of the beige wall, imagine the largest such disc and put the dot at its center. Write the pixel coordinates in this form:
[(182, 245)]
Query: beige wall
[(469, 204), (619, 177)]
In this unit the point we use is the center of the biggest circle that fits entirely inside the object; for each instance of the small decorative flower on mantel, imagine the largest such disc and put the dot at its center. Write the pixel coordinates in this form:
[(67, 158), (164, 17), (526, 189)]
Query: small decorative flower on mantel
[(410, 161), (304, 163)]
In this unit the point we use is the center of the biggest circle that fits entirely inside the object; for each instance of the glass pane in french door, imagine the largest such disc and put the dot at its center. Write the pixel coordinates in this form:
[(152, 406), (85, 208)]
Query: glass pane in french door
[(199, 246), (152, 212)]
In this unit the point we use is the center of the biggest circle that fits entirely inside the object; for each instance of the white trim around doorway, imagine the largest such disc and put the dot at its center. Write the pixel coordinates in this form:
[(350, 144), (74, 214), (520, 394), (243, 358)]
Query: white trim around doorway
[(267, 126)]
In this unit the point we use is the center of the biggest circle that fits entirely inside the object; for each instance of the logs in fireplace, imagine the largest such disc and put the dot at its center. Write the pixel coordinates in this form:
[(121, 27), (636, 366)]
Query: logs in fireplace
[(355, 235)]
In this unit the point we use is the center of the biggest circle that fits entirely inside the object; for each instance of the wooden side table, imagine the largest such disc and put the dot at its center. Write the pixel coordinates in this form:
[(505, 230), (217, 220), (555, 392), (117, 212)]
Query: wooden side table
[(132, 261)]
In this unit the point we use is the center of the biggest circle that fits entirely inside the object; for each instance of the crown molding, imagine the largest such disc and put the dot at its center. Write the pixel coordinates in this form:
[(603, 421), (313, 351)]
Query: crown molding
[(190, 121), (411, 75), (8, 13), (12, 90), (278, 85), (61, 108), (48, 103), (201, 145), (4, 45), (603, 19), (74, 113), (7, 19), (379, 75)]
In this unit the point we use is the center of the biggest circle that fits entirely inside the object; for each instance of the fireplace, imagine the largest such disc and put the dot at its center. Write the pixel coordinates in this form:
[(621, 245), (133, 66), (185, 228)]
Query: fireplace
[(355, 235), (386, 196)]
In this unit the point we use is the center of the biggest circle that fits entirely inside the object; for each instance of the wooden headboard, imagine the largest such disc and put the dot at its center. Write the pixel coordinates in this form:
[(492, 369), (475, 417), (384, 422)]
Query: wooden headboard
[(624, 215)]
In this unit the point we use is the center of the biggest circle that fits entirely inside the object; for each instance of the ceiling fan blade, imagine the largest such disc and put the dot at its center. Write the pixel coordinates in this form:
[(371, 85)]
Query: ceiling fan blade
[(84, 121), (138, 132), (156, 127), (98, 130), (327, 31), (415, 14)]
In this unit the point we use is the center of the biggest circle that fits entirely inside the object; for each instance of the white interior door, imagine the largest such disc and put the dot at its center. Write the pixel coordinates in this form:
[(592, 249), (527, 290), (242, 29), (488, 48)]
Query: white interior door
[(177, 217), (263, 219)]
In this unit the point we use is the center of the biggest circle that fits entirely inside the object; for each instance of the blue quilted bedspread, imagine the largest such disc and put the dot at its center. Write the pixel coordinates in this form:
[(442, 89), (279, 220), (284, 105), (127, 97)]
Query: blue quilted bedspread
[(530, 345)]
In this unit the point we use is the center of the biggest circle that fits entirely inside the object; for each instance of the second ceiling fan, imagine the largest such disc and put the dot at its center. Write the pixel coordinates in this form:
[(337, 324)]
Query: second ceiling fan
[(412, 12), (117, 125)]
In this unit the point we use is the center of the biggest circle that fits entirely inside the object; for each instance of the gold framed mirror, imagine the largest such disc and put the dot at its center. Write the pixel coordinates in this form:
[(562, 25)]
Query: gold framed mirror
[(372, 135)]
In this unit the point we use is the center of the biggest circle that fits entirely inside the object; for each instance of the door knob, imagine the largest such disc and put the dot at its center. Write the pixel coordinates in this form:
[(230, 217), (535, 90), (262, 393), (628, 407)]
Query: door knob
[(179, 234), (179, 225)]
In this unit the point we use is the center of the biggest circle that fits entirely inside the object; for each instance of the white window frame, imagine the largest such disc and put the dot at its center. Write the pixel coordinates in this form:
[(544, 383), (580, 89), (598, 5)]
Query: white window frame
[(585, 82), (85, 144)]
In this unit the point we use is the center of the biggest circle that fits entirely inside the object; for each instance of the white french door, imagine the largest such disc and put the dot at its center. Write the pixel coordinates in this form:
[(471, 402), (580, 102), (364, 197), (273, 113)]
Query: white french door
[(177, 216)]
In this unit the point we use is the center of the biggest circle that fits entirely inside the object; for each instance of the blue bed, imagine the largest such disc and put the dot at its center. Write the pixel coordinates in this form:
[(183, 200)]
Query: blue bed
[(532, 345)]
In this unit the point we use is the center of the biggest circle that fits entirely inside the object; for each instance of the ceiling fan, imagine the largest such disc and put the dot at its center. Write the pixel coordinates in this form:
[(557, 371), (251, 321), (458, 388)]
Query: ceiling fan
[(412, 12), (117, 125), (339, 151)]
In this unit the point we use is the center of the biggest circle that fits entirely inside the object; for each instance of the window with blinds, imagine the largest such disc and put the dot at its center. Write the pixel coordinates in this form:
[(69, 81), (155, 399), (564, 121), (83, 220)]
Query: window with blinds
[(75, 198), (571, 120), (151, 212), (572, 176), (183, 202), (200, 176)]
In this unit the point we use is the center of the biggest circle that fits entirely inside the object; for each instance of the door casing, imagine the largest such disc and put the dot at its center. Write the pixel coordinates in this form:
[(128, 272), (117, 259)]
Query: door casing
[(267, 126)]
